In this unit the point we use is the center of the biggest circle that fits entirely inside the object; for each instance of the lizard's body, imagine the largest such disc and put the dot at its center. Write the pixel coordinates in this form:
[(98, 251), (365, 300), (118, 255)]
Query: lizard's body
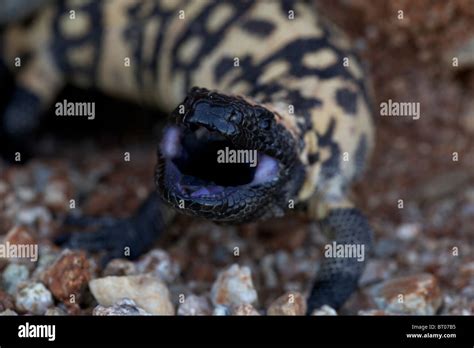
[(301, 70)]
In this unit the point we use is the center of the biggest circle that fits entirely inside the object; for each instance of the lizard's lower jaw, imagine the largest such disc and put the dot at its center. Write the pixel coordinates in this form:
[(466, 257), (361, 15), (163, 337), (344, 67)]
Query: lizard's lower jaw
[(201, 173)]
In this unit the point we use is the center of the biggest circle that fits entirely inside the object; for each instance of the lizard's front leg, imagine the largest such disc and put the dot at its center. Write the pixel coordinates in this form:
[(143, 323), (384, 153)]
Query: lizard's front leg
[(119, 238), (338, 277)]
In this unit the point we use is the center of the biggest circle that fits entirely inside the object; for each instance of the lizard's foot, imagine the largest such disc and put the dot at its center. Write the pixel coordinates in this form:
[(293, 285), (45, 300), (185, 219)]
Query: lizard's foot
[(338, 277), (118, 238)]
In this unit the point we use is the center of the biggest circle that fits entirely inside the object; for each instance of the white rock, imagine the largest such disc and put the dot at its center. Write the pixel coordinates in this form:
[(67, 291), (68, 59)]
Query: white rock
[(147, 291), (408, 231), (29, 216), (14, 275), (123, 307), (372, 312), (233, 286), (54, 311), (8, 312), (221, 310), (159, 263), (34, 298), (195, 305), (26, 194), (324, 310)]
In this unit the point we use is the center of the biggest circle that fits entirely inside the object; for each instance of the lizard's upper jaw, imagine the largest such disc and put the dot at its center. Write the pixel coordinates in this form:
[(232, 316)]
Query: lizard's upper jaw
[(209, 165)]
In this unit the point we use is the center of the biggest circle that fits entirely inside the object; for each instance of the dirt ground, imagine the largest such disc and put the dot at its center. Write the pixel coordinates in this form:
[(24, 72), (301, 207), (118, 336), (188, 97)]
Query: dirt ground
[(409, 59)]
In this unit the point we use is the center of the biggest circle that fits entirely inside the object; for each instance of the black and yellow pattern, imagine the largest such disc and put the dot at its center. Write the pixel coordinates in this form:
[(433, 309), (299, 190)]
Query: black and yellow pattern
[(278, 60)]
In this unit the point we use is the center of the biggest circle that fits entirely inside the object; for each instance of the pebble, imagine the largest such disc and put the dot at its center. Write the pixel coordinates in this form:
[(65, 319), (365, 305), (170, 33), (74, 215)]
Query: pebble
[(291, 303), (54, 311), (31, 215), (26, 194), (120, 267), (244, 309), (14, 275), (372, 312), (8, 312), (68, 276), (221, 310), (159, 263), (34, 298), (6, 301), (47, 256), (414, 295), (195, 305), (324, 310), (19, 235), (408, 231), (124, 306), (268, 271), (147, 291), (233, 286), (55, 195), (465, 55)]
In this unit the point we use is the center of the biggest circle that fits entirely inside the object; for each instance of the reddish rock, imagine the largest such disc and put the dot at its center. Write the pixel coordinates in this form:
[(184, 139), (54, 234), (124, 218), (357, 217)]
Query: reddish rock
[(6, 301), (417, 294), (19, 235), (291, 303), (465, 275), (67, 277), (244, 309)]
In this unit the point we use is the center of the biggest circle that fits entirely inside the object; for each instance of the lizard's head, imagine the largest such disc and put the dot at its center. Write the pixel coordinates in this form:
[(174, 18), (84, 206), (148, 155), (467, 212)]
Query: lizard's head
[(226, 159)]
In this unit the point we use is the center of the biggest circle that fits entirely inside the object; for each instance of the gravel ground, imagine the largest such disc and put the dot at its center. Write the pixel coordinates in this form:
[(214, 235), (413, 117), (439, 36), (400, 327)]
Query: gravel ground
[(423, 261)]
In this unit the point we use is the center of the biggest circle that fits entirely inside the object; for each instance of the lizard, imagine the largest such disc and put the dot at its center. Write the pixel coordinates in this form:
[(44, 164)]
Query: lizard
[(274, 77)]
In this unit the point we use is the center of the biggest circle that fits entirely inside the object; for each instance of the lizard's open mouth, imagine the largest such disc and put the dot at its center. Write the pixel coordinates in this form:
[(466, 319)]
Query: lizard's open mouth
[(225, 159), (203, 163)]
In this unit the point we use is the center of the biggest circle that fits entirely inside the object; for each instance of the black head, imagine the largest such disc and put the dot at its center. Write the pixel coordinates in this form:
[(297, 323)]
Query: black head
[(226, 159)]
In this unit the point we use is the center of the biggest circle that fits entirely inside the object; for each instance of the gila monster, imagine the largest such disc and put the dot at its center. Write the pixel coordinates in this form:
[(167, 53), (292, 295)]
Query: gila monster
[(273, 77)]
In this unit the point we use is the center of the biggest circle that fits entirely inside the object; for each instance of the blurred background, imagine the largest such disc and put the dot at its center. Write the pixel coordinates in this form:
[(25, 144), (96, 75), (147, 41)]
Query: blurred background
[(424, 250)]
